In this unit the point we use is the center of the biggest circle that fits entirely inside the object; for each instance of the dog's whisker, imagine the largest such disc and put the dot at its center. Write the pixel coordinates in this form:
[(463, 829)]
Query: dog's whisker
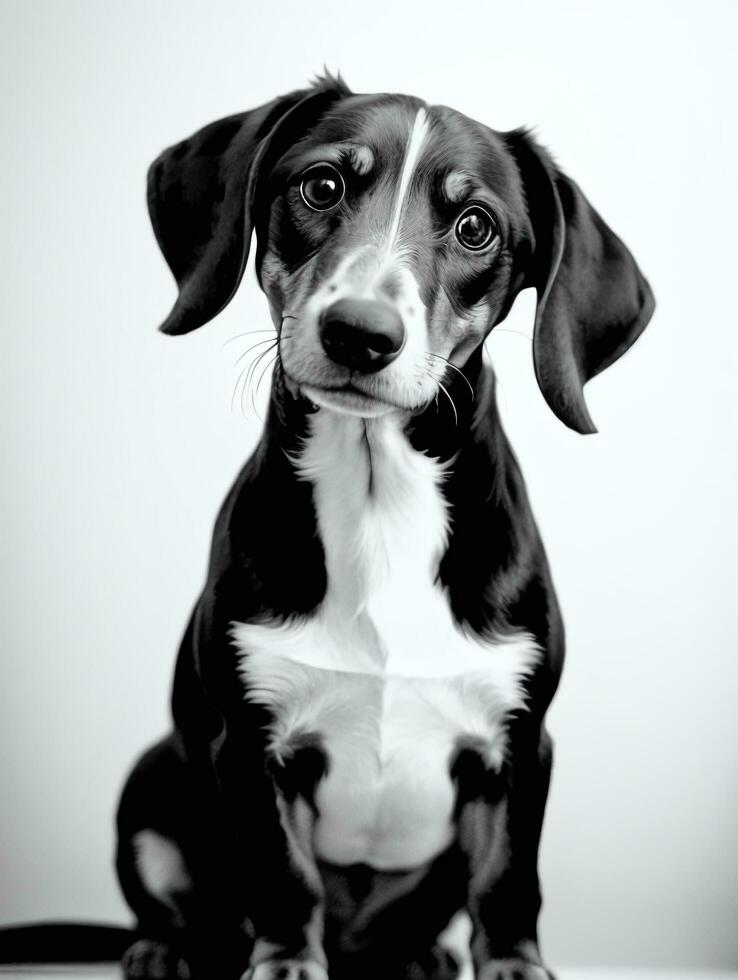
[(249, 375), (247, 370), (247, 333), (254, 388), (427, 372), (454, 368), (241, 375), (245, 377), (240, 399), (252, 373), (265, 369), (255, 364), (259, 343), (235, 387), (453, 406)]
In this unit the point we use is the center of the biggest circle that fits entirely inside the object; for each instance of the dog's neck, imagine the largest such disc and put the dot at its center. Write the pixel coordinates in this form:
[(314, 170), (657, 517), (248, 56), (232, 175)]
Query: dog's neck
[(380, 511), (268, 554)]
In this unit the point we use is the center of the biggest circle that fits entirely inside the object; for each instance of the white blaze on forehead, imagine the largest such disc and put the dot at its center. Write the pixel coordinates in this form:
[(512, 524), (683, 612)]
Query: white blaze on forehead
[(415, 145)]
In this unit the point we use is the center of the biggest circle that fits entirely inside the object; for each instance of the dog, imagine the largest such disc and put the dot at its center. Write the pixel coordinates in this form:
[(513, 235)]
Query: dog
[(359, 748)]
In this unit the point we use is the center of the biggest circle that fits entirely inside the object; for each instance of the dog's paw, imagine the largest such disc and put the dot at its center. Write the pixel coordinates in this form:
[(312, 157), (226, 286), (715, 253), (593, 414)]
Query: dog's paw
[(438, 964), (286, 970), (513, 969), (148, 959)]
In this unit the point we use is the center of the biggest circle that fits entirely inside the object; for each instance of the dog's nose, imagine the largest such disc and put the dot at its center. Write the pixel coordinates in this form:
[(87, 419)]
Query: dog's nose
[(361, 334)]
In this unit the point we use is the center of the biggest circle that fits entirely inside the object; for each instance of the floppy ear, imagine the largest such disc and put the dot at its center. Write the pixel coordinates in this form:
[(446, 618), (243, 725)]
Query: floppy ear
[(593, 300), (201, 197)]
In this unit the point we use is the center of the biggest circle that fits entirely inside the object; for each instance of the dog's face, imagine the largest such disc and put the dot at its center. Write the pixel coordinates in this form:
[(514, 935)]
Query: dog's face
[(392, 237), (389, 250)]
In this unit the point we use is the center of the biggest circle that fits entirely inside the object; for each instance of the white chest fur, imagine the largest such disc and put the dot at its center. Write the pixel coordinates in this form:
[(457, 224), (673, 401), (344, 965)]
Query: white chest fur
[(381, 672)]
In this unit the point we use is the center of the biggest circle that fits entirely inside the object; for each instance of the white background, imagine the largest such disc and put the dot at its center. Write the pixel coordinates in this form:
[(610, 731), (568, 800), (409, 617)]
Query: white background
[(118, 443)]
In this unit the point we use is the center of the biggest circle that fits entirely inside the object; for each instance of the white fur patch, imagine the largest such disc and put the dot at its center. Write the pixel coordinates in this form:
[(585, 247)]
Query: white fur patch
[(160, 864), (381, 672)]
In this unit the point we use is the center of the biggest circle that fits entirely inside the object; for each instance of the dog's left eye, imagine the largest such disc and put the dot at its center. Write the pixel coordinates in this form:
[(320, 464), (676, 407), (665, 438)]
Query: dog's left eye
[(322, 187), (476, 228)]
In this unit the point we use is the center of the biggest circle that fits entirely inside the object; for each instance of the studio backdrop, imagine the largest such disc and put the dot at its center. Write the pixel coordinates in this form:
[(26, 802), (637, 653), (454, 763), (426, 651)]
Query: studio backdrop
[(118, 443)]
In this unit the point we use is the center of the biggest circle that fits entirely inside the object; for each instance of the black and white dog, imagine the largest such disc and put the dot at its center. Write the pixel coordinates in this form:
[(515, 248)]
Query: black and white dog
[(359, 749)]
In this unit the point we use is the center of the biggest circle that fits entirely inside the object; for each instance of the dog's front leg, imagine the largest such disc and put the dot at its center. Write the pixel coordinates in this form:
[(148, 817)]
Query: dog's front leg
[(250, 821), (272, 818), (500, 818)]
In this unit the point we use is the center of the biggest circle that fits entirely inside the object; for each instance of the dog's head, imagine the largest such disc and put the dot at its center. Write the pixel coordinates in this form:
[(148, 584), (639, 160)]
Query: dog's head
[(392, 237)]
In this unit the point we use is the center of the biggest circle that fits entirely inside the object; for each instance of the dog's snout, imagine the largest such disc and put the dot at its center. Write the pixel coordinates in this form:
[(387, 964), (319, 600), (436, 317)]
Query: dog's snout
[(362, 334)]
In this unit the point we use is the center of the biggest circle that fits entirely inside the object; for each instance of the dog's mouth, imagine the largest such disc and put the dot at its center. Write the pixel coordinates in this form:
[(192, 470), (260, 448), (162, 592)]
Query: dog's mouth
[(349, 400)]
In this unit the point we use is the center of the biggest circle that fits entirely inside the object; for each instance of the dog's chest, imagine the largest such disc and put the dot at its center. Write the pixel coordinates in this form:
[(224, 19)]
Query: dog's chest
[(380, 674)]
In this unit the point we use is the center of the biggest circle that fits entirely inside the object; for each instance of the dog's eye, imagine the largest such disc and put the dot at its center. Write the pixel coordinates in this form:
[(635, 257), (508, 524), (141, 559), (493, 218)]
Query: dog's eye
[(322, 187), (476, 228)]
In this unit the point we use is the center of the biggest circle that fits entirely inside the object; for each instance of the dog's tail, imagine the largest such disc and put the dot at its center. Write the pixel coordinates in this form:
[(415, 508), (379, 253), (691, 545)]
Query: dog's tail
[(63, 942)]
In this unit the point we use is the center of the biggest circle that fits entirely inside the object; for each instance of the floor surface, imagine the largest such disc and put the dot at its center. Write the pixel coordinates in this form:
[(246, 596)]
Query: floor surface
[(111, 972)]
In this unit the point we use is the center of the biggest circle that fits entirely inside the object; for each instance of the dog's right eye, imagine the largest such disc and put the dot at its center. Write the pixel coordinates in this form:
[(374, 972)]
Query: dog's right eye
[(322, 187)]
